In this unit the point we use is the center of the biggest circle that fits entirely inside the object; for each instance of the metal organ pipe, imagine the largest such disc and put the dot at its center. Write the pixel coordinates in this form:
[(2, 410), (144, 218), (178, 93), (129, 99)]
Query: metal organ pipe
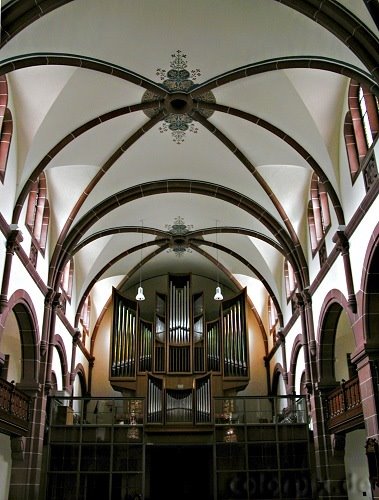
[(120, 349)]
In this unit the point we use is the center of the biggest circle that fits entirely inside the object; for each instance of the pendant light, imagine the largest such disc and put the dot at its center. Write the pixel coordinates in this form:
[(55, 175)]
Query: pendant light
[(140, 296), (218, 295)]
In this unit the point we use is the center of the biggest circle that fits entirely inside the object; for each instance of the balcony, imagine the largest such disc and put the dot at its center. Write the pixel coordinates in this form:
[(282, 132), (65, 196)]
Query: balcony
[(345, 406), (14, 410)]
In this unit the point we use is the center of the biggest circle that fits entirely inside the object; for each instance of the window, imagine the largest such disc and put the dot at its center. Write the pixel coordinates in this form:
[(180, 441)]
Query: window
[(273, 319), (361, 125), (290, 280), (85, 315), (6, 127), (318, 216), (368, 120), (67, 279), (37, 217)]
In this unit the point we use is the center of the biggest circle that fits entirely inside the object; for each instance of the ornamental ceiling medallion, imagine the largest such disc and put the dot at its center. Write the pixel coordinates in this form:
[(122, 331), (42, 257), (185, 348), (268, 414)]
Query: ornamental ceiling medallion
[(179, 243), (178, 80)]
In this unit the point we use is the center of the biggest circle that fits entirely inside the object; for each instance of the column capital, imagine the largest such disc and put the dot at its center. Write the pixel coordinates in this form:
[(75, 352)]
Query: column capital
[(14, 238), (76, 336), (32, 388), (299, 301), (280, 337), (341, 241), (307, 297), (52, 298)]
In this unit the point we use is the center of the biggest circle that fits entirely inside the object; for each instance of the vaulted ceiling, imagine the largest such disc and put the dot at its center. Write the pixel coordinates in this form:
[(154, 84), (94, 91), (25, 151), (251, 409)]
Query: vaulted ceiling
[(173, 127)]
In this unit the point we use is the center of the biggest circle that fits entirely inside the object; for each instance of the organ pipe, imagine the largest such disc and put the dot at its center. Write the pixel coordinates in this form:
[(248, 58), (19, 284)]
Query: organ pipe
[(234, 337), (180, 341), (123, 350)]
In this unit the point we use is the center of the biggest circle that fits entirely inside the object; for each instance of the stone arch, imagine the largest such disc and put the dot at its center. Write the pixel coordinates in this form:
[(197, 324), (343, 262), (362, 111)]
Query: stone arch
[(60, 347), (296, 347), (80, 372), (334, 303), (277, 373), (22, 306), (370, 291)]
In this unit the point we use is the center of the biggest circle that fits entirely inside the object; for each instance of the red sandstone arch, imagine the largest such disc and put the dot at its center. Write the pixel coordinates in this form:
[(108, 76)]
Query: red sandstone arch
[(296, 347), (369, 294), (22, 306), (334, 303), (61, 349)]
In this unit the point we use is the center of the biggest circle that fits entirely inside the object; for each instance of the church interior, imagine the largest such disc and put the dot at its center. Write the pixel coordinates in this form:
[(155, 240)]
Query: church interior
[(189, 257)]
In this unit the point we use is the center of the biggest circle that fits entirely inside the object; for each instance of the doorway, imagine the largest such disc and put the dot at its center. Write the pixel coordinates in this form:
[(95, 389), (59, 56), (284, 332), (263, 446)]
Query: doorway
[(180, 472)]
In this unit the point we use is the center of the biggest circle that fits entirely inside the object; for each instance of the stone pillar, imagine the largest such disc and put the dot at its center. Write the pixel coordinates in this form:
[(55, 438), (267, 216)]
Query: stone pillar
[(27, 466), (342, 244), (27, 451), (18, 478), (329, 449), (91, 364), (52, 303), (308, 377), (75, 341), (13, 242), (329, 453), (367, 362)]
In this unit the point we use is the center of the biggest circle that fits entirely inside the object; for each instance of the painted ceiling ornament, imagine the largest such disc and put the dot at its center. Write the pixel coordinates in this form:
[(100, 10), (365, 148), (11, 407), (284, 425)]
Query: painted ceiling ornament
[(179, 242), (178, 77), (179, 82)]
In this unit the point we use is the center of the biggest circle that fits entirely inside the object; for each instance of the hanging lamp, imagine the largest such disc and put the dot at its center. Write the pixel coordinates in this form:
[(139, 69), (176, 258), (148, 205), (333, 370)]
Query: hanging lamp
[(218, 295), (140, 295)]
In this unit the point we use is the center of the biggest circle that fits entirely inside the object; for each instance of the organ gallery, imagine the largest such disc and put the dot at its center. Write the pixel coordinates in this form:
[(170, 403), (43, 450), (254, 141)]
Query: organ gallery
[(183, 358)]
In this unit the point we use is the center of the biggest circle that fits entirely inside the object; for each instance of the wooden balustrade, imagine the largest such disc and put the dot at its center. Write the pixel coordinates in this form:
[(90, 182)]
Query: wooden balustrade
[(345, 406), (14, 409)]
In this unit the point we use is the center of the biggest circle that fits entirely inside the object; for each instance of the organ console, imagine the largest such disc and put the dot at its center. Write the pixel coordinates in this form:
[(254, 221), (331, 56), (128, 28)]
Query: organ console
[(182, 359)]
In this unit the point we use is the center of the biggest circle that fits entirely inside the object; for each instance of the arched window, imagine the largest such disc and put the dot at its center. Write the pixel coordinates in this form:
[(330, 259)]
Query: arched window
[(290, 280), (318, 217), (37, 217), (67, 279), (85, 316), (361, 126), (6, 127), (273, 319)]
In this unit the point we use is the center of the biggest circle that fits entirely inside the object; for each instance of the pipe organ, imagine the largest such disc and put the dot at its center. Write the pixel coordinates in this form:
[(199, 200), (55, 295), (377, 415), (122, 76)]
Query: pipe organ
[(181, 359)]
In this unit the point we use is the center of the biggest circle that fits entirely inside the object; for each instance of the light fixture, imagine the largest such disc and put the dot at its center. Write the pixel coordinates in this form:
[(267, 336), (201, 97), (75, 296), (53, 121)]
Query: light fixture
[(230, 435), (218, 294), (140, 296)]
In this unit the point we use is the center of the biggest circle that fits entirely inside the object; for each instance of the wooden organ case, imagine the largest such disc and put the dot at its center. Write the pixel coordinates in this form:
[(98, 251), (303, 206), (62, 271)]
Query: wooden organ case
[(182, 359)]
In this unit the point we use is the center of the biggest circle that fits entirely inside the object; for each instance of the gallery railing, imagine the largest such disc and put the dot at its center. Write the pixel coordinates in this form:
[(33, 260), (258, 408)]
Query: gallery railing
[(14, 409), (345, 405), (218, 411)]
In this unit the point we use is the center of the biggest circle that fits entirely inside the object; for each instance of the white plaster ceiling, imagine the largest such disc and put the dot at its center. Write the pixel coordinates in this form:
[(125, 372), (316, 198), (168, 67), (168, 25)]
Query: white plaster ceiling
[(216, 37)]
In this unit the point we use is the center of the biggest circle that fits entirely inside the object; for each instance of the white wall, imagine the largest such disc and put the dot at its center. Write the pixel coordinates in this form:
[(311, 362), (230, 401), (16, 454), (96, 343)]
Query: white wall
[(356, 466), (345, 343), (5, 465), (11, 345)]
